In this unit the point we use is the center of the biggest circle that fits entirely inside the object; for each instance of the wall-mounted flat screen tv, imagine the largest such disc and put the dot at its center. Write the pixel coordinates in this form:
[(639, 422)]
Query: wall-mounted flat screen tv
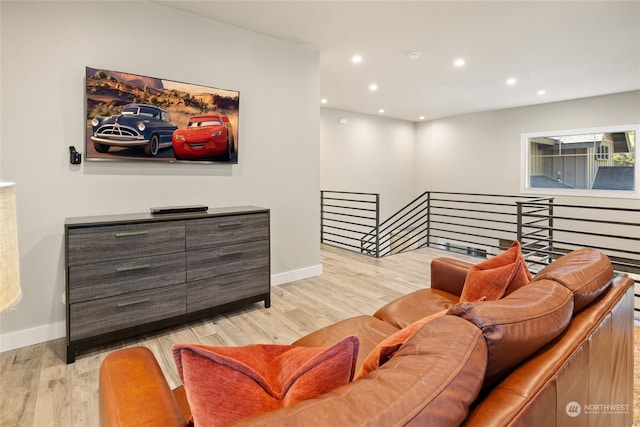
[(132, 117)]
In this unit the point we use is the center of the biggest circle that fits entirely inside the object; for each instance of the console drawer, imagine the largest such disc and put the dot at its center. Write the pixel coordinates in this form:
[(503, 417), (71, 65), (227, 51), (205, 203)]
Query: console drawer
[(221, 290), (106, 279), (219, 231), (89, 245), (111, 314), (205, 263)]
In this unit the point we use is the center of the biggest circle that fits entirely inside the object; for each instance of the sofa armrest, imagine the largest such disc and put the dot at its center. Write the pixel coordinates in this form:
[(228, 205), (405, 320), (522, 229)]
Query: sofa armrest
[(449, 274), (134, 392)]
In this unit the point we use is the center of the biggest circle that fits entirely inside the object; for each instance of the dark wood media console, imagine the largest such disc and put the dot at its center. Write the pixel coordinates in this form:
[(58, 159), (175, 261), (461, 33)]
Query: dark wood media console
[(131, 274)]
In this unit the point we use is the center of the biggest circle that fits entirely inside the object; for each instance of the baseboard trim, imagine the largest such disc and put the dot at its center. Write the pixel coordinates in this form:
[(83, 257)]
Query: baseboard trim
[(293, 275), (53, 331), (37, 335)]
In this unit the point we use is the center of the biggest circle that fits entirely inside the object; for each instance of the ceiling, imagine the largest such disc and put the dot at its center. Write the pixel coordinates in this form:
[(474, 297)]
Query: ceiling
[(570, 49)]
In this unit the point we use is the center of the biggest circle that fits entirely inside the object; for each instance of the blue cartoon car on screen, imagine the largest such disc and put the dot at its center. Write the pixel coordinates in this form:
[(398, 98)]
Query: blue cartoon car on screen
[(140, 125)]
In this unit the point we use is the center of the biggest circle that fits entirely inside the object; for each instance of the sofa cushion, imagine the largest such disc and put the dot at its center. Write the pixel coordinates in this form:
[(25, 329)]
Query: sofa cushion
[(414, 306), (390, 345), (431, 381), (369, 330), (497, 276), (519, 324), (586, 272), (224, 384)]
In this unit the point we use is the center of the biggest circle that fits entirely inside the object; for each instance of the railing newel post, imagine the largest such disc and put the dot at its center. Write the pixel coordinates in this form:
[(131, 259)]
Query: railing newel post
[(377, 225), (551, 247), (321, 216), (428, 219)]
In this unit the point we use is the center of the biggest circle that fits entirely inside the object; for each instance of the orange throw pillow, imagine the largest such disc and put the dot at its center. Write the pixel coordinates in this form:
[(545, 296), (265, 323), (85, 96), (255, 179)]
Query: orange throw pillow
[(225, 384), (496, 277), (390, 345)]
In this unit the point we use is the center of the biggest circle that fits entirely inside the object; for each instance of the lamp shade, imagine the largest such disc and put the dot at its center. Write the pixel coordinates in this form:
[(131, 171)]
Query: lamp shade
[(10, 292)]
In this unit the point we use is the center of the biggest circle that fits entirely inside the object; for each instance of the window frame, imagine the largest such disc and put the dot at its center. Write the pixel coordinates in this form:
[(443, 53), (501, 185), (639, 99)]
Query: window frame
[(525, 179)]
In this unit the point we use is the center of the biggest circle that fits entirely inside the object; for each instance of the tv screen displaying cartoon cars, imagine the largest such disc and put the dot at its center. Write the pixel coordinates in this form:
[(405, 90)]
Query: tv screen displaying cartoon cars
[(133, 117)]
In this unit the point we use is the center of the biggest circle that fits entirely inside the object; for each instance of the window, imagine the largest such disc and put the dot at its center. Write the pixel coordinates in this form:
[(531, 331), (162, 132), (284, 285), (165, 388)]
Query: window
[(602, 152), (598, 162)]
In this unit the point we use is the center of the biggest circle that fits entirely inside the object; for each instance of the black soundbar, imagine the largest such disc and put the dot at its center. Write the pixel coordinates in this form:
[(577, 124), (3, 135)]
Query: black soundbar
[(178, 209)]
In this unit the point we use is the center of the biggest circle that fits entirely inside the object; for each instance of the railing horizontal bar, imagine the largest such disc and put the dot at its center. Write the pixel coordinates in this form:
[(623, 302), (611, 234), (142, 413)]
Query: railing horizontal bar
[(333, 227), (367, 225), (524, 224), (586, 233), (536, 233), (464, 234), (473, 218), (533, 211), (437, 245), (349, 215), (605, 249), (368, 202), (477, 194), (342, 236), (475, 210), (349, 207), (541, 250), (597, 221), (349, 192), (472, 202), (603, 208), (538, 200), (472, 226)]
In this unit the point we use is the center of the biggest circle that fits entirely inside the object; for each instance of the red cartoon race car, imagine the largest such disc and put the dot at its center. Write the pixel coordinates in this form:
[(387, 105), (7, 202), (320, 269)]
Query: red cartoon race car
[(207, 137)]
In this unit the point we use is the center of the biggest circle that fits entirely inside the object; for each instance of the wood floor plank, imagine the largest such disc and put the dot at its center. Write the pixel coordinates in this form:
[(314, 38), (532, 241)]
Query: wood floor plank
[(19, 386), (53, 403)]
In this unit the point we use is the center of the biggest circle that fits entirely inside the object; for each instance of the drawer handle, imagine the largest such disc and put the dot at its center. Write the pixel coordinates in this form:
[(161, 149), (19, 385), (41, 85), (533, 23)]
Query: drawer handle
[(230, 253), (132, 268), (230, 224), (132, 233), (127, 304)]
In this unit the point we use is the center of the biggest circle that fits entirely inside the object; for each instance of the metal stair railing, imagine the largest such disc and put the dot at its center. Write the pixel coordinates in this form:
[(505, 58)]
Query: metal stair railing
[(346, 216), (483, 225)]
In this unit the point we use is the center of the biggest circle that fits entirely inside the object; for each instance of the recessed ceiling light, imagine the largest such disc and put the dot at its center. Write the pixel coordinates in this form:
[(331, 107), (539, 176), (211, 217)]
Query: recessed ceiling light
[(356, 59), (421, 117), (373, 87), (381, 111), (323, 101), (542, 92), (458, 63), (414, 55), (511, 81)]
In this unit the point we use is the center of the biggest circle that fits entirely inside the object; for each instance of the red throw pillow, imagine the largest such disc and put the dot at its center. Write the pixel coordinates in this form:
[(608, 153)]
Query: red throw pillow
[(496, 277), (224, 384), (390, 345)]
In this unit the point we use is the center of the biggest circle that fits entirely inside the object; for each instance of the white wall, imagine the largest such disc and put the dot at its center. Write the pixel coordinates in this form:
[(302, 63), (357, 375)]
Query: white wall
[(45, 48), (481, 152), (368, 154), (475, 153)]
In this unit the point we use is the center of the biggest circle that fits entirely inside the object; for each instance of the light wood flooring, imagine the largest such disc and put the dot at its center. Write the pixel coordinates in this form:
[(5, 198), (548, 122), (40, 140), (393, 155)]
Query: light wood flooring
[(37, 387)]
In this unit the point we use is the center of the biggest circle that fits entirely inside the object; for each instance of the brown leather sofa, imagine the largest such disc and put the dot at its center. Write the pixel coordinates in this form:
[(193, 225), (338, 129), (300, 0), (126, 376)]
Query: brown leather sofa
[(558, 351)]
